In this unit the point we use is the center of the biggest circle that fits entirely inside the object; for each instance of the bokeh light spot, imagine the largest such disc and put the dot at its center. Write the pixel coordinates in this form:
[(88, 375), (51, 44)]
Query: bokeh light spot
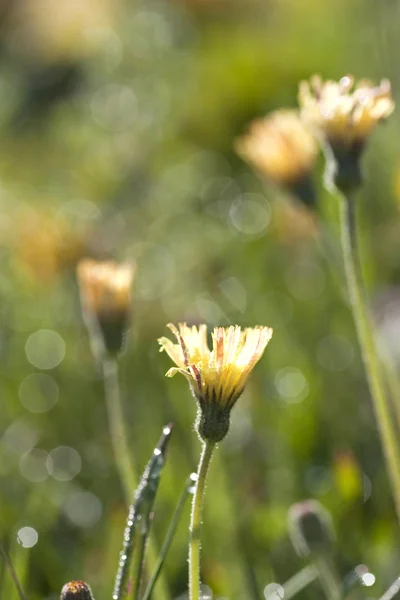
[(28, 537), (64, 463), (45, 349), (114, 107), (368, 579), (19, 437), (33, 465), (291, 385), (250, 214), (83, 508), (38, 392), (273, 591)]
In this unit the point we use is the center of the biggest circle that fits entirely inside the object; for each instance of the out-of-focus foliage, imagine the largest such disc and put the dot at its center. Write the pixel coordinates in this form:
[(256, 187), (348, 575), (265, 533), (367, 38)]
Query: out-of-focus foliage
[(117, 127)]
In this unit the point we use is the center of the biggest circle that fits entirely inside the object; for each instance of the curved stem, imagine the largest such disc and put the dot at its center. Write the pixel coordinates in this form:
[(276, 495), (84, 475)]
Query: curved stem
[(122, 454), (195, 521), (365, 332)]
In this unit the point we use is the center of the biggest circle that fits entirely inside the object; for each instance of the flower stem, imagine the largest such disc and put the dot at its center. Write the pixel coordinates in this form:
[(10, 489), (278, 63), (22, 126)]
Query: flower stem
[(168, 538), (122, 453), (366, 339), (328, 577), (116, 421), (195, 521)]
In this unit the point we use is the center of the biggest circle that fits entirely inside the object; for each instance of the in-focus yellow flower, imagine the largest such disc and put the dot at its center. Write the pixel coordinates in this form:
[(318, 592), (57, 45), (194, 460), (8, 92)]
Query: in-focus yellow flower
[(106, 297), (217, 377), (280, 146), (341, 115)]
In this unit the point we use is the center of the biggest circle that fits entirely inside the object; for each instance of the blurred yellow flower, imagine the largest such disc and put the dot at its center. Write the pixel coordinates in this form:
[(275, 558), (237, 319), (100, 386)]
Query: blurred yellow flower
[(106, 296), (341, 115), (280, 146), (217, 377), (44, 245)]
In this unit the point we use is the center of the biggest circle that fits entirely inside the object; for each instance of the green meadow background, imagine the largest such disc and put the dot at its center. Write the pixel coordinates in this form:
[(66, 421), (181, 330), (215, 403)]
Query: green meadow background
[(117, 123)]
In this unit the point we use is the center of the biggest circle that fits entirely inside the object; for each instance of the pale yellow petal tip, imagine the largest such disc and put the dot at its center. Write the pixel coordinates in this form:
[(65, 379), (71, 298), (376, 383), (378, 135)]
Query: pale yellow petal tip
[(161, 341), (172, 371)]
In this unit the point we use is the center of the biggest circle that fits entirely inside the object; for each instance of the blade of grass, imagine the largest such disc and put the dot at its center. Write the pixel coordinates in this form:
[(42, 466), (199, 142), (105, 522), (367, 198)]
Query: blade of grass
[(392, 591), (188, 489), (12, 571), (140, 512), (299, 581)]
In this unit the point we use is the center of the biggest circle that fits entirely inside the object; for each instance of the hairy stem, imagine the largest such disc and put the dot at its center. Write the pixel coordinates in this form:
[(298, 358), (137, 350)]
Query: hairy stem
[(195, 521), (366, 339)]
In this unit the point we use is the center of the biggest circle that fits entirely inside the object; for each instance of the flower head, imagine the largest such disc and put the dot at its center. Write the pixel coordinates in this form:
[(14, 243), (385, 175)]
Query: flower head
[(106, 296), (344, 116), (217, 377), (283, 149), (341, 115)]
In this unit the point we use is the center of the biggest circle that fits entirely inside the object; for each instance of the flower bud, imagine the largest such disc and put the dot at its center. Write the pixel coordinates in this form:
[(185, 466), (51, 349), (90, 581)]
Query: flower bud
[(283, 149), (106, 297), (310, 528), (76, 590)]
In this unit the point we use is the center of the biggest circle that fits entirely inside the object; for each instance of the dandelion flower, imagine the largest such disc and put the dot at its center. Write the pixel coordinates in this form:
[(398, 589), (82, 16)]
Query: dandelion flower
[(343, 117), (217, 377)]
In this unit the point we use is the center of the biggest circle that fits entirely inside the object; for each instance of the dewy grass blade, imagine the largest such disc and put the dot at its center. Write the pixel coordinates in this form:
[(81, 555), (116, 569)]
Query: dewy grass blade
[(140, 513), (188, 489)]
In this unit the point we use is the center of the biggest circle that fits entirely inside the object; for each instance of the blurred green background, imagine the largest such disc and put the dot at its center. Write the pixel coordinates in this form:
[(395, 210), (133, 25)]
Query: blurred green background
[(117, 126)]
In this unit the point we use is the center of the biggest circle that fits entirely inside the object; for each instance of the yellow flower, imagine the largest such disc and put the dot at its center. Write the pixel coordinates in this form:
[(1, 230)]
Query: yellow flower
[(344, 116), (280, 146), (106, 296), (217, 377)]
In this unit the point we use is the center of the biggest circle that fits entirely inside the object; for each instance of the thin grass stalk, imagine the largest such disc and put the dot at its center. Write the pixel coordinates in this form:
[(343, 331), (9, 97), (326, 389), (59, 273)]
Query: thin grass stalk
[(392, 591), (328, 577), (299, 581), (10, 567), (123, 455), (195, 520), (365, 333), (176, 517)]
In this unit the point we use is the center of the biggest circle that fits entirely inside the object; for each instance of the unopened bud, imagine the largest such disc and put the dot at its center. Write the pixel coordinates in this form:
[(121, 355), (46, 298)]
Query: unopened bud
[(310, 528), (106, 297), (76, 590)]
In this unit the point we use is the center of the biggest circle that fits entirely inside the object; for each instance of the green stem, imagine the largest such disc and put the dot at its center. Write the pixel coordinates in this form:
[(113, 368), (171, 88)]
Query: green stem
[(299, 581), (328, 577), (168, 538), (195, 521), (122, 453), (365, 332), (13, 573), (116, 421)]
